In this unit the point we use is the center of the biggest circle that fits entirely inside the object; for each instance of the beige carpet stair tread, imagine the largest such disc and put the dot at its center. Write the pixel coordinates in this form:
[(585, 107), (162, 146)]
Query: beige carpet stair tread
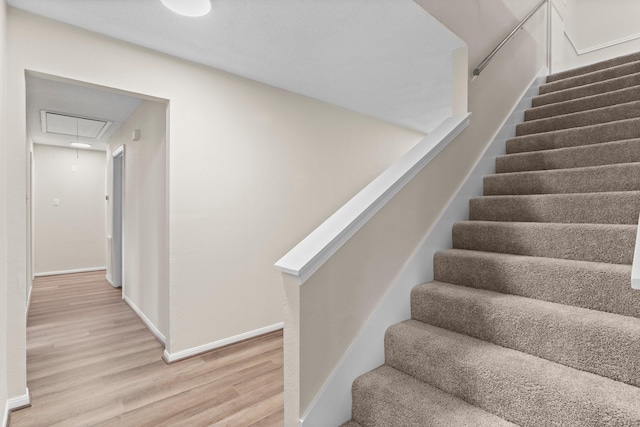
[(584, 104), (606, 114), (591, 179), (592, 89), (574, 137), (594, 285), (531, 317), (516, 386), (594, 67), (386, 397), (612, 243), (351, 424), (620, 207), (593, 77), (605, 344), (605, 153)]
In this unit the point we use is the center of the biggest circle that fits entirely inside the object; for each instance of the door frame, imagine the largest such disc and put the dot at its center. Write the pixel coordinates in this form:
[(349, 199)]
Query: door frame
[(118, 153)]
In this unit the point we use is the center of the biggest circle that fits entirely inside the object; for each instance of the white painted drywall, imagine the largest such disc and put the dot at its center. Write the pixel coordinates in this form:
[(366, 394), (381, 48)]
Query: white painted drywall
[(590, 24), (3, 219), (558, 39), (69, 236), (15, 168), (252, 170), (145, 211)]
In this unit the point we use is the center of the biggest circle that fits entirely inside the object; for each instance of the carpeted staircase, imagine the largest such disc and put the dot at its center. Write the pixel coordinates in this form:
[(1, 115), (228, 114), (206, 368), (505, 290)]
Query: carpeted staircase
[(531, 319)]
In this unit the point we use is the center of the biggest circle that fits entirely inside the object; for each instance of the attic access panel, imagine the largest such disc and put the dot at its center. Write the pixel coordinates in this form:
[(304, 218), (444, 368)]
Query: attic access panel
[(64, 124)]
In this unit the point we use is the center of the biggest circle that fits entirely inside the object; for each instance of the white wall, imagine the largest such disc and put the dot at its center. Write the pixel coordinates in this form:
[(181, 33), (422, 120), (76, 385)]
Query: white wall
[(252, 170), (70, 236), (145, 212), (596, 30), (3, 219), (15, 157)]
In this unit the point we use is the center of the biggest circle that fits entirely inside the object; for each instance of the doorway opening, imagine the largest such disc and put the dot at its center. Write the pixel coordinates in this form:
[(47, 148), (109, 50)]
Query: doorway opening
[(108, 215), (116, 217)]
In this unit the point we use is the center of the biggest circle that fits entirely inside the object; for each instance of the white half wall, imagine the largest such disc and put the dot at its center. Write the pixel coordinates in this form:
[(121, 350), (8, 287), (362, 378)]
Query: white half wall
[(144, 213), (69, 209), (332, 405)]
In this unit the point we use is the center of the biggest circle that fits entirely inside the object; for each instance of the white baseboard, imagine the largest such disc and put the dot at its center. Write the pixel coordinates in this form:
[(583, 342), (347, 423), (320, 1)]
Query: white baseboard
[(5, 417), (29, 298), (190, 352), (15, 403), (108, 279), (152, 328), (77, 270), (332, 404)]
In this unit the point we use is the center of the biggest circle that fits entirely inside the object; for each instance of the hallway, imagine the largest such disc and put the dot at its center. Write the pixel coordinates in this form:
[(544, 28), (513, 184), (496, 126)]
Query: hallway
[(91, 361)]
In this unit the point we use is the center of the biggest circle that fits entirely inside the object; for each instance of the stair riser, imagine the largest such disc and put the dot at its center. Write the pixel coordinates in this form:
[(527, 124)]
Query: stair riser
[(386, 397), (521, 388), (584, 104), (604, 287), (585, 79), (588, 90), (594, 67), (583, 242), (603, 344), (598, 208), (606, 153), (622, 177), (585, 118), (576, 137)]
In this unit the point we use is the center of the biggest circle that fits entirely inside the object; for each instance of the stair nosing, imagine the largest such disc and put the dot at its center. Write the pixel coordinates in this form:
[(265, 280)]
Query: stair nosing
[(535, 301), (552, 195), (475, 252), (583, 67), (573, 147), (503, 175), (558, 92), (558, 118), (582, 99), (625, 64), (581, 128)]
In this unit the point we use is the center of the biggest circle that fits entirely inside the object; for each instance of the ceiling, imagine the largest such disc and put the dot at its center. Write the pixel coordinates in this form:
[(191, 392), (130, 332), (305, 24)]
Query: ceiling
[(385, 58), (45, 95)]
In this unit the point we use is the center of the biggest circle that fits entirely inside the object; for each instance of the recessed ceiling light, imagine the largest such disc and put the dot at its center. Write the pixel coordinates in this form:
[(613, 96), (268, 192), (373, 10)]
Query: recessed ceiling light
[(191, 8), (80, 145)]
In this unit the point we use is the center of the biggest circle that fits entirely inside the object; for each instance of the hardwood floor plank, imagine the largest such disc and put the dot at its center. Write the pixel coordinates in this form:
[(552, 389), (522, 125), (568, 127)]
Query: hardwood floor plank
[(218, 413), (253, 413), (92, 362)]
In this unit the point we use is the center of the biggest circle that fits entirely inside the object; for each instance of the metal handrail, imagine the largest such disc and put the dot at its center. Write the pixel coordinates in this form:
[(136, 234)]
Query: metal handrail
[(485, 62)]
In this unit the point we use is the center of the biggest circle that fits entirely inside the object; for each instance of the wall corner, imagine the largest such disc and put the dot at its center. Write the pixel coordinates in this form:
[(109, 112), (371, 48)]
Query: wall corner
[(460, 81), (292, 410)]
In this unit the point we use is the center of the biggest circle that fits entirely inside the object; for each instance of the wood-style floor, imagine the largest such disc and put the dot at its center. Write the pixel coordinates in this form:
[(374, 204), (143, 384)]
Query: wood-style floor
[(91, 361)]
